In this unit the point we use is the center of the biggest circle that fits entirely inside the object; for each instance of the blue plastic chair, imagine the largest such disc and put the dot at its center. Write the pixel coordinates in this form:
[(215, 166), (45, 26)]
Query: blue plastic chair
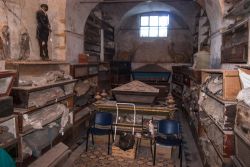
[(104, 119), (169, 134)]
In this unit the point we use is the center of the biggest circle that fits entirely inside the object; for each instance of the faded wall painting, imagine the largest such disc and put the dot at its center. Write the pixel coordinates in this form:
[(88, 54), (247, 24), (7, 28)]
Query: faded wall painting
[(18, 29)]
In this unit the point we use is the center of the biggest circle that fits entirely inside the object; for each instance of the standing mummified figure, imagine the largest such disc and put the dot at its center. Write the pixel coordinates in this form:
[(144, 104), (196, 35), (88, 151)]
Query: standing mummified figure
[(43, 30), (24, 46), (6, 41)]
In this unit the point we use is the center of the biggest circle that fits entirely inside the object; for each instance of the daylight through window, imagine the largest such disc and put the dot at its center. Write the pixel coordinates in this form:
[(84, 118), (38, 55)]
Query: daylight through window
[(154, 26)]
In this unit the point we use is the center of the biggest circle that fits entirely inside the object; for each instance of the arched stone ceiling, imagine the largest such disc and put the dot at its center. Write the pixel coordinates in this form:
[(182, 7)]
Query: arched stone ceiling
[(146, 7)]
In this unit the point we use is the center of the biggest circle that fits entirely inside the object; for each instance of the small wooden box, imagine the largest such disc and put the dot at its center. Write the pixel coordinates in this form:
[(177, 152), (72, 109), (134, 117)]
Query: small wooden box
[(231, 82), (83, 58)]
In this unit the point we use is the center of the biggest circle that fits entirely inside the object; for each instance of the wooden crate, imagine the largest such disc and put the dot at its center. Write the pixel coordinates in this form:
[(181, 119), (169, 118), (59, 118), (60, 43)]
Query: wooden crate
[(231, 81)]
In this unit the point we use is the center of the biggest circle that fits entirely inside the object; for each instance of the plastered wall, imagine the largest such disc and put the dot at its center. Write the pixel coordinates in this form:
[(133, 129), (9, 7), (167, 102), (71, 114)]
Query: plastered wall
[(20, 17), (176, 48)]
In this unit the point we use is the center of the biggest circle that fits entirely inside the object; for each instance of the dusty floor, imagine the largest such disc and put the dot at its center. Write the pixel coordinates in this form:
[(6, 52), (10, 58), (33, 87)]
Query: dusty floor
[(97, 157), (97, 154)]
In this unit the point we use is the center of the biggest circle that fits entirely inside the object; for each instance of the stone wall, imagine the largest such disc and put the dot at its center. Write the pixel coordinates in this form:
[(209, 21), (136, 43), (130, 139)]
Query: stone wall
[(152, 50), (68, 18), (176, 48), (76, 16)]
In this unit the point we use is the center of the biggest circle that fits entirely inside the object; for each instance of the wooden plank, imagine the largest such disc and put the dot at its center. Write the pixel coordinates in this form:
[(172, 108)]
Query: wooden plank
[(51, 156)]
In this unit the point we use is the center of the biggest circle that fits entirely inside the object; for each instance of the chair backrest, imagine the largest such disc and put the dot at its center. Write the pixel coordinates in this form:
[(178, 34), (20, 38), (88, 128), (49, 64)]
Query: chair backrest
[(103, 118), (169, 127)]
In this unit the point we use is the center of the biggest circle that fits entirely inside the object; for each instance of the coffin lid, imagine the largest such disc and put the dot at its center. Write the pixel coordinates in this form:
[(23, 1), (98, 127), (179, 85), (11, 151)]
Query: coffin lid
[(136, 86), (151, 68)]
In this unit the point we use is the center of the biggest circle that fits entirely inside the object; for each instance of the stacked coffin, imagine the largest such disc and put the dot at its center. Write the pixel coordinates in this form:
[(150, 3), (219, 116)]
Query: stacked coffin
[(8, 121), (43, 101), (242, 124), (217, 114)]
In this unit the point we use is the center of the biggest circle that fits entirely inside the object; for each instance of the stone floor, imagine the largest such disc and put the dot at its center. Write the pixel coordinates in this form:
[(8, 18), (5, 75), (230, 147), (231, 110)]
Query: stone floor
[(97, 154), (97, 157)]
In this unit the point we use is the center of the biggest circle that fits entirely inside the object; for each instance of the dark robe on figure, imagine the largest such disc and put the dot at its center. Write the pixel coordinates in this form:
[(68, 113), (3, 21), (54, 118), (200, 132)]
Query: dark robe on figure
[(43, 30)]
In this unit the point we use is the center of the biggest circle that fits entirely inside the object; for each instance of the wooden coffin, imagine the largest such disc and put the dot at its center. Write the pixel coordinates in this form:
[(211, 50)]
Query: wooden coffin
[(151, 73), (209, 154), (222, 112), (44, 115), (6, 82), (235, 44), (231, 84), (135, 92), (222, 140), (8, 131), (24, 97), (25, 69), (242, 148), (242, 122), (6, 105)]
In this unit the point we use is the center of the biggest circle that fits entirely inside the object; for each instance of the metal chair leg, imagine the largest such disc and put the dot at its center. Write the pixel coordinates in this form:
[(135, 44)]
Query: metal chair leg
[(180, 155), (112, 132), (92, 139), (151, 149), (87, 142), (108, 143), (138, 143), (180, 150), (154, 153)]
